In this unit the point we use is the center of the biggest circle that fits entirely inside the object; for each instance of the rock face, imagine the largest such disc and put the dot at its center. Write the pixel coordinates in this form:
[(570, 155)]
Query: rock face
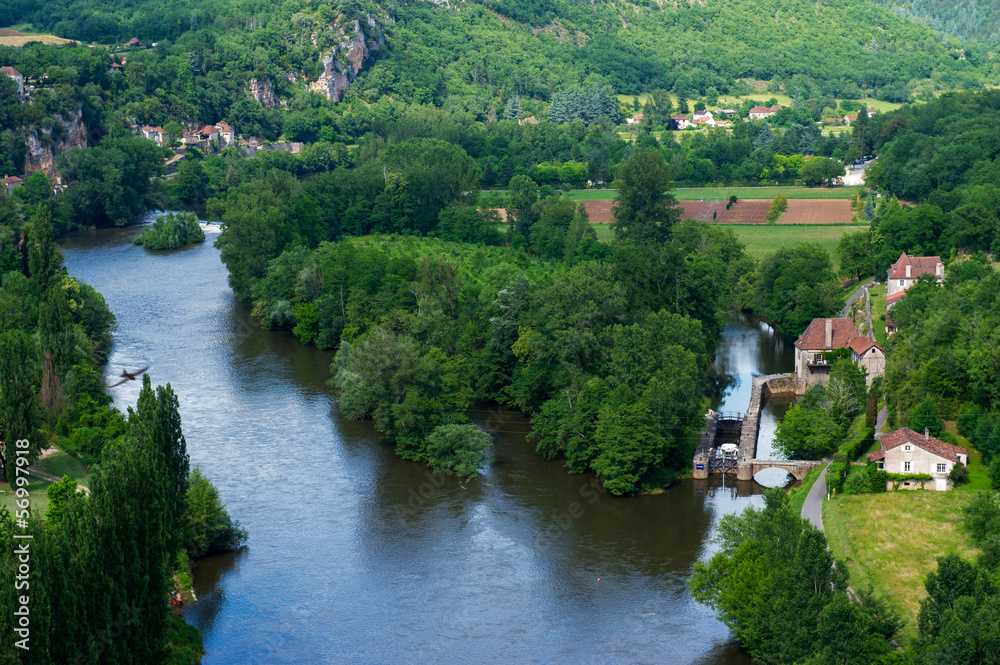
[(44, 144), (343, 64), (263, 92)]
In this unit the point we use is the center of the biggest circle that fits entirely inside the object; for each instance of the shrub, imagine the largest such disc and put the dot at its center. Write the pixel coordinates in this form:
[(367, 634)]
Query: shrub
[(959, 474), (172, 231), (995, 473), (458, 449), (778, 206), (858, 481)]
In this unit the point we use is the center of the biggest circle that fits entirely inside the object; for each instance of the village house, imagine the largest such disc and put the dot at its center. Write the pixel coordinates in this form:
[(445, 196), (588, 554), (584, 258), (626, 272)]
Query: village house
[(635, 120), (209, 133), (115, 68), (851, 117), (530, 120), (134, 42), (904, 272), (761, 112), (907, 452), (226, 134), (821, 336), (10, 182), (153, 134), (679, 122), (729, 113), (723, 123), (869, 356), (703, 116), (16, 75)]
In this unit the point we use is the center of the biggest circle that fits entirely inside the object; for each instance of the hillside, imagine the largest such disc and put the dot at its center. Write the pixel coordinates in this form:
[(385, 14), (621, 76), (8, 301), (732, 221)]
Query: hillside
[(964, 19), (492, 48)]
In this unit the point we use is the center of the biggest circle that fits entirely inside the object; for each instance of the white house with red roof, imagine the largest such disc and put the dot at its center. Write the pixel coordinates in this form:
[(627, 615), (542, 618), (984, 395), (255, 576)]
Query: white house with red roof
[(226, 134), (907, 269), (869, 356), (761, 112), (681, 121), (17, 76), (851, 117), (907, 452), (635, 120)]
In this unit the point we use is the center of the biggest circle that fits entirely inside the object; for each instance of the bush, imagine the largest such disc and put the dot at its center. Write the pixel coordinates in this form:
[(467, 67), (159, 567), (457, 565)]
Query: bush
[(778, 206), (959, 474), (995, 473), (858, 481), (877, 479), (458, 449), (209, 527), (172, 231)]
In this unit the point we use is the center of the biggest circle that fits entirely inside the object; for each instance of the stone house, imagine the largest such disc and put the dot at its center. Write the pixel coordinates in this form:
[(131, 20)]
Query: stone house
[(761, 112), (152, 133), (635, 120), (17, 76), (905, 451), (680, 121), (904, 272), (209, 133), (869, 356), (10, 182), (226, 134), (811, 366)]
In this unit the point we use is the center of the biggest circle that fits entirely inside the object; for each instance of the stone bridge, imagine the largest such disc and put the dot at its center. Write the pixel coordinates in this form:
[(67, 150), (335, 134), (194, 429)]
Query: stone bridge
[(746, 470)]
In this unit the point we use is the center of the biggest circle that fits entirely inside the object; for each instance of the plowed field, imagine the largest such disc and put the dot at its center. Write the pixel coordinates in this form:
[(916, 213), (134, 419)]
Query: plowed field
[(817, 211), (743, 212)]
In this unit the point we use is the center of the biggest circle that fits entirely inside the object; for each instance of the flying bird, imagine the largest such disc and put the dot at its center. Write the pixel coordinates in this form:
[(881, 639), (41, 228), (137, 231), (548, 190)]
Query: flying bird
[(129, 376)]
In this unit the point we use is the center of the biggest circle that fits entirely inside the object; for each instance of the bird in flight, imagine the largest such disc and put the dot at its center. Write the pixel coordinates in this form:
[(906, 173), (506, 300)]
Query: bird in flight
[(129, 376)]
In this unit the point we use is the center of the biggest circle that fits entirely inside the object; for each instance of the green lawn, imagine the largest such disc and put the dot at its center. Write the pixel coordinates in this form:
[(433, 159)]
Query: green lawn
[(979, 473), (763, 239), (892, 540), (604, 232), (877, 293), (63, 464), (723, 193)]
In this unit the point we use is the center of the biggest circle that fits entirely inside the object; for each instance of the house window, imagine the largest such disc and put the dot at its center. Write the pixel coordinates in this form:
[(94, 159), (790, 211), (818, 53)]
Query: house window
[(880, 464), (906, 467), (941, 468), (901, 282), (907, 447)]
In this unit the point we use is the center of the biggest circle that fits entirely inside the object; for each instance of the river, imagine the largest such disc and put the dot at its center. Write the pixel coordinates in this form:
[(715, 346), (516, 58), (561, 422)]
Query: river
[(356, 556)]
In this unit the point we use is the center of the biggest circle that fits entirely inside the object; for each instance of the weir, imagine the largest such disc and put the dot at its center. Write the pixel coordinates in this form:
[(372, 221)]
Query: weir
[(745, 465)]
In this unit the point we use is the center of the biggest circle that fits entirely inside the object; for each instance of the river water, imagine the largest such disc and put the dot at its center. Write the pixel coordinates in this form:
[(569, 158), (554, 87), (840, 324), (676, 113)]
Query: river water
[(356, 556)]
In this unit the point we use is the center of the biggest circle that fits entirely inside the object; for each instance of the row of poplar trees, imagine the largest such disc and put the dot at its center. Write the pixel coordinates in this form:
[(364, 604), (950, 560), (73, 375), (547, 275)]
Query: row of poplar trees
[(100, 564)]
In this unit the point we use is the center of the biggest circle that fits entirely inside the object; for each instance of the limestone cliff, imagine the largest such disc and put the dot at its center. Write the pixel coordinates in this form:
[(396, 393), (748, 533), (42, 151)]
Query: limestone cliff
[(263, 92), (44, 144), (342, 65)]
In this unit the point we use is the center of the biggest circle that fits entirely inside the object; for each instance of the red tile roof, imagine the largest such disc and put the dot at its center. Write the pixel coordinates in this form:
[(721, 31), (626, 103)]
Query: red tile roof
[(928, 443), (876, 455), (10, 71), (207, 130), (861, 344), (775, 108), (760, 109), (814, 336), (920, 265), (894, 298), (678, 117), (224, 127), (851, 117)]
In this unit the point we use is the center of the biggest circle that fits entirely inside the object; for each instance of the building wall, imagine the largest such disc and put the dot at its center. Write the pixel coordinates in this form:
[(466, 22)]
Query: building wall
[(921, 461), (872, 361)]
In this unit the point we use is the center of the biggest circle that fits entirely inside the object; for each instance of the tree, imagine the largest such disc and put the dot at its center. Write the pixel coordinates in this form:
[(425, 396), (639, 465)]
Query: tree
[(522, 194), (925, 417), (778, 206), (59, 494), (819, 170), (458, 449), (208, 528), (807, 433), (513, 109), (858, 253), (629, 444), (646, 209), (18, 408)]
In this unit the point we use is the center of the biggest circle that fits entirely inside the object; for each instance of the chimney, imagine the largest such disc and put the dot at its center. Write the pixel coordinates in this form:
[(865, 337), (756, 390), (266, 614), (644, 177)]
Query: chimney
[(927, 433), (828, 339), (908, 267)]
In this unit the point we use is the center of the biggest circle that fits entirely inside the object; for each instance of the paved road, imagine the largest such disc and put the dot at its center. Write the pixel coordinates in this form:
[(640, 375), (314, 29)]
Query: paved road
[(844, 313), (812, 509), (883, 415)]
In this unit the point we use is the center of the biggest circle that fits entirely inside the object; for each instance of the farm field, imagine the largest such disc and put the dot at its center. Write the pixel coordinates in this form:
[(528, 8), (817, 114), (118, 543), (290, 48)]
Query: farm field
[(764, 239), (817, 211), (722, 193), (750, 211), (12, 37)]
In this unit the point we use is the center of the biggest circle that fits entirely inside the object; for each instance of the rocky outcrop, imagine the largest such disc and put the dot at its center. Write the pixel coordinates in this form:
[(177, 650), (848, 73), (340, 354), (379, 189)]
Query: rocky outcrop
[(263, 92), (44, 144), (344, 63)]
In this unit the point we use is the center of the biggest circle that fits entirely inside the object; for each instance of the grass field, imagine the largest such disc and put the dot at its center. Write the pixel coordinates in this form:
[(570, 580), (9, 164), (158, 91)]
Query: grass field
[(733, 102), (979, 474), (764, 239), (15, 36), (723, 193), (604, 232), (892, 540), (59, 464), (877, 293)]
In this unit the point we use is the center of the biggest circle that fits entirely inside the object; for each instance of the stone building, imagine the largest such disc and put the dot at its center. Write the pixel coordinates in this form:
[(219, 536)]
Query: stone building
[(907, 452)]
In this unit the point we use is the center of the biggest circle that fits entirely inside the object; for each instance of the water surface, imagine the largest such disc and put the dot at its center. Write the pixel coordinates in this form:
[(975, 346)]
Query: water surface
[(356, 556)]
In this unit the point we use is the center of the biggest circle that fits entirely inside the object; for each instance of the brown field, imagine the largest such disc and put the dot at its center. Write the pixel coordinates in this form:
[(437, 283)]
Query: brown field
[(817, 211), (744, 212), (599, 212), (10, 37)]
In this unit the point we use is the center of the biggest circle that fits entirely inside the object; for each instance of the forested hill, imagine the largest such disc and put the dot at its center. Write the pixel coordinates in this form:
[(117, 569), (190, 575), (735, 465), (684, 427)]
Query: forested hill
[(492, 48), (964, 19)]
